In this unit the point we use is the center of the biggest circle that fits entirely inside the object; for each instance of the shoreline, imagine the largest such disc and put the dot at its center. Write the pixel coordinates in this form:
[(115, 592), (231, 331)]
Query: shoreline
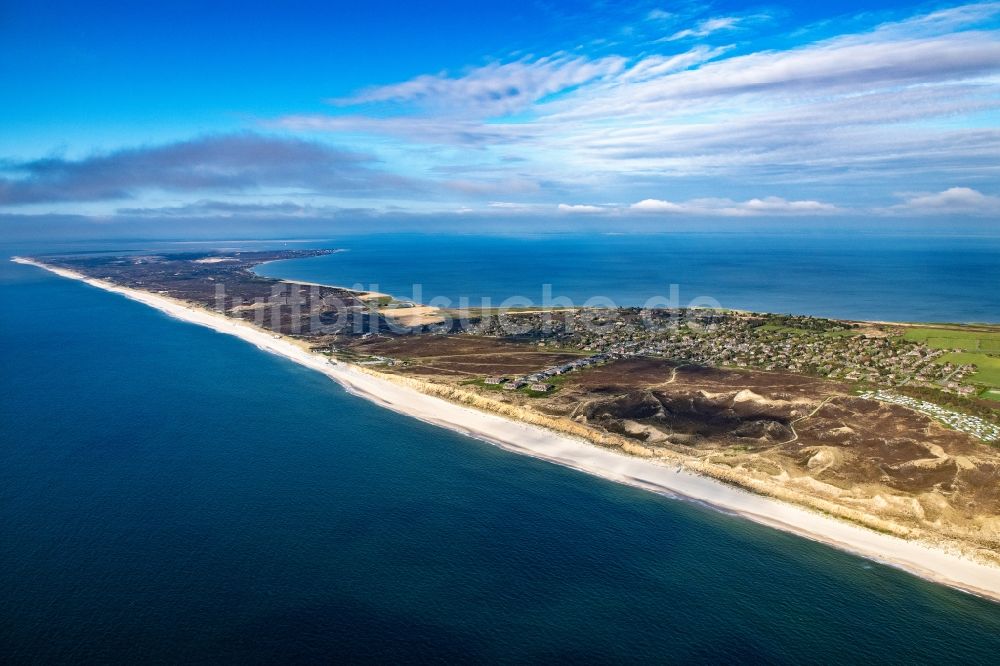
[(852, 320), (934, 564), (361, 294)]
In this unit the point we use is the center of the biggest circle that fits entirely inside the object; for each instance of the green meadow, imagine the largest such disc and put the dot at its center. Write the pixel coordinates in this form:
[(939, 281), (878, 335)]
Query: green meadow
[(952, 338), (980, 347), (987, 367)]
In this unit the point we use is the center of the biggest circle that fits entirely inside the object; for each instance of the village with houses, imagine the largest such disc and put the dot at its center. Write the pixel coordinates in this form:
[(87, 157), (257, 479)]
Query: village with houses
[(873, 357), (821, 347)]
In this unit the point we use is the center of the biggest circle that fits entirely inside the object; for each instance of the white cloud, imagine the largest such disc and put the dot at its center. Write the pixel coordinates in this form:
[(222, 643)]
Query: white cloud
[(661, 65), (657, 206), (944, 20), (730, 208), (779, 205), (492, 89), (583, 208), (659, 15), (844, 67), (904, 104), (953, 201), (706, 27)]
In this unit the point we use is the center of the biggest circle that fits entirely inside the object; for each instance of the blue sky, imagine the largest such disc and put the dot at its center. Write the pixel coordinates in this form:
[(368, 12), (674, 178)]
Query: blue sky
[(610, 110)]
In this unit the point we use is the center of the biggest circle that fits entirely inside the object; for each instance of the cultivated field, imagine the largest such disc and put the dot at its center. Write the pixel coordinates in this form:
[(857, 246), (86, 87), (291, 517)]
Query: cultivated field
[(978, 345), (973, 339)]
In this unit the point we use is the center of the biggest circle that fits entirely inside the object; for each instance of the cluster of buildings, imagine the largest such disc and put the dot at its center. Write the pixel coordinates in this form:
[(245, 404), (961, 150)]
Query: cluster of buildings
[(513, 384), (805, 345), (972, 425), (882, 360)]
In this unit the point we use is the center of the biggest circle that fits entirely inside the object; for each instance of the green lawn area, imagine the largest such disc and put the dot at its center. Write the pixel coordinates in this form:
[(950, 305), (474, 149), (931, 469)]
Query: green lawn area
[(950, 338), (987, 367), (980, 348)]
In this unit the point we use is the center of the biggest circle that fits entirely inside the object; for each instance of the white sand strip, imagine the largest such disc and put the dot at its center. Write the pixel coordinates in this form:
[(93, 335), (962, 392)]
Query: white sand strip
[(361, 295), (923, 560)]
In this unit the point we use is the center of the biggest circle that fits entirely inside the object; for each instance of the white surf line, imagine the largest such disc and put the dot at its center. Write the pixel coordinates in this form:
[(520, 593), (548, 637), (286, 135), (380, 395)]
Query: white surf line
[(935, 564)]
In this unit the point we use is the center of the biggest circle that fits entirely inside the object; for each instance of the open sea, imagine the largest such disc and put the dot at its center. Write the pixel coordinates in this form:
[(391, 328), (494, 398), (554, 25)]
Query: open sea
[(170, 494), (901, 276)]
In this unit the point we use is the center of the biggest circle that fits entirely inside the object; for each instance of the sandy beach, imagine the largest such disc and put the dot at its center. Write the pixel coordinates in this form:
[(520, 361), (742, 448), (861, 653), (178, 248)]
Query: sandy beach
[(926, 561), (362, 295), (407, 315)]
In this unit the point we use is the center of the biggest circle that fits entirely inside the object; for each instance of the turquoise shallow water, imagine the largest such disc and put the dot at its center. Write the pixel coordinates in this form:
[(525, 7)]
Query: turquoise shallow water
[(171, 494)]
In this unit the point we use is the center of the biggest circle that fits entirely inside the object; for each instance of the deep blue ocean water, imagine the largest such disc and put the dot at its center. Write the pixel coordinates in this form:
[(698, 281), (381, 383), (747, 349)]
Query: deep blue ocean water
[(903, 276), (168, 493)]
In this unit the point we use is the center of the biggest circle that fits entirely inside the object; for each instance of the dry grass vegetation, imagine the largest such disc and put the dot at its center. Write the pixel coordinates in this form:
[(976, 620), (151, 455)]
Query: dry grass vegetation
[(803, 439), (461, 356)]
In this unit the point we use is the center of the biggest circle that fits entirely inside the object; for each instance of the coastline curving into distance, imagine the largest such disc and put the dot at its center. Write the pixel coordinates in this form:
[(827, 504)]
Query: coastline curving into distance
[(935, 564)]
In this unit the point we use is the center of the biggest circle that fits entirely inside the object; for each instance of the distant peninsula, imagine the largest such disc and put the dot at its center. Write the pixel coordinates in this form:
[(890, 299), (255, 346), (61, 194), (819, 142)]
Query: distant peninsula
[(880, 438)]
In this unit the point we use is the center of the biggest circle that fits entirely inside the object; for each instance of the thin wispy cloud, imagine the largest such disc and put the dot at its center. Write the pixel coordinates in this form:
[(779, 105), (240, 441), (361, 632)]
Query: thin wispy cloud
[(492, 89), (705, 28), (675, 111), (208, 208), (660, 15), (847, 108)]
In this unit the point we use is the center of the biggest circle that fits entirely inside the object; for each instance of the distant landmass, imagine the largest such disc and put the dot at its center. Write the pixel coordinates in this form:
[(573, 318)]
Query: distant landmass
[(888, 426)]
